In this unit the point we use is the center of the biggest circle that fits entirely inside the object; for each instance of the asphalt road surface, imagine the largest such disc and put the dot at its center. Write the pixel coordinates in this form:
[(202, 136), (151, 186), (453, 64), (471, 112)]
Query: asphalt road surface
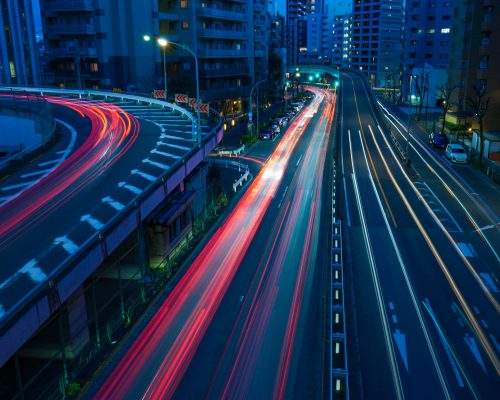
[(245, 316), (421, 278)]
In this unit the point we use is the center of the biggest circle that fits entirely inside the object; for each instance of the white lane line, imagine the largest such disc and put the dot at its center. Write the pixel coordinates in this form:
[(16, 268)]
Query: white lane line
[(376, 282), (130, 188), (17, 186), (400, 338), (489, 281), (144, 175), (2, 311), (72, 141), (455, 365), (473, 347), (164, 136), (283, 196), (156, 164), (165, 154), (113, 203), (6, 198), (444, 208), (39, 172), (33, 270), (67, 244), (45, 163), (93, 222), (299, 160)]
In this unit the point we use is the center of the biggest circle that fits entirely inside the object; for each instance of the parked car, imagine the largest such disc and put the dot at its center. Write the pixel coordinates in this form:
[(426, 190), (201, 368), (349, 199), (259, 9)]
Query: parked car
[(276, 128), (455, 152), (437, 139), (267, 134)]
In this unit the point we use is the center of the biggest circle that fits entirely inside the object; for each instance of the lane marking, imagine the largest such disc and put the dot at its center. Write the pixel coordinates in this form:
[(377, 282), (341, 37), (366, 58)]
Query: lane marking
[(165, 154), (33, 270), (471, 343), (17, 186), (443, 207), (144, 175), (113, 203), (175, 146), (67, 244), (466, 249), (130, 188), (489, 281), (156, 164), (45, 163), (93, 222), (40, 172), (400, 340)]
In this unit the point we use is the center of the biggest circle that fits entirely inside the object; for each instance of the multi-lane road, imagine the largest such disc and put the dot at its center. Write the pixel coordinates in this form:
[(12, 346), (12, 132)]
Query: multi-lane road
[(421, 273), (236, 323)]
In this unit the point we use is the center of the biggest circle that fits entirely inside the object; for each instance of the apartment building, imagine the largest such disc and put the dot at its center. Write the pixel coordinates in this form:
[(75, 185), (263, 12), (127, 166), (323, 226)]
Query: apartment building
[(230, 39), (296, 29), (427, 41), (475, 58), (18, 48), (98, 44), (377, 38)]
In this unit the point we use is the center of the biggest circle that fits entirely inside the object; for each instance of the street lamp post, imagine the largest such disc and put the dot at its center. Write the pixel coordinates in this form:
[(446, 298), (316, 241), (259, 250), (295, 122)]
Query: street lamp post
[(163, 43)]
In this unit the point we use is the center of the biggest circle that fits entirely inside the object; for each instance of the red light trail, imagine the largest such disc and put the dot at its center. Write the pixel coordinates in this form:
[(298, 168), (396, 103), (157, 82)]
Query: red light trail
[(183, 318), (112, 133)]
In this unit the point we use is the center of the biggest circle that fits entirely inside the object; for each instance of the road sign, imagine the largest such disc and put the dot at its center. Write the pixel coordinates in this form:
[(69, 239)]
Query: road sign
[(192, 102), (203, 107), (181, 98), (159, 94)]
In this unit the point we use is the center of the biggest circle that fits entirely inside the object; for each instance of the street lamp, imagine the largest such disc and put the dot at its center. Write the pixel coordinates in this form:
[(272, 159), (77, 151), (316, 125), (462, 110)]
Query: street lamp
[(163, 43), (251, 103)]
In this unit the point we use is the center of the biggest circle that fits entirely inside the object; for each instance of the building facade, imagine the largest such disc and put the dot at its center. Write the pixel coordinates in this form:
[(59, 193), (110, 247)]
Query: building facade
[(475, 59), (19, 59), (296, 29), (98, 44), (342, 41), (377, 38), (427, 41), (231, 40)]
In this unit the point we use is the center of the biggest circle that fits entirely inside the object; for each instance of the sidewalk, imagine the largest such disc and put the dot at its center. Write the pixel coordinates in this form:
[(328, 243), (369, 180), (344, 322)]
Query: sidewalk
[(471, 177)]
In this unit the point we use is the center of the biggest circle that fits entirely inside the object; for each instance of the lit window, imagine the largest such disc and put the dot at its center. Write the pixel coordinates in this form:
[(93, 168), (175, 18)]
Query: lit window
[(445, 30), (185, 25), (12, 68), (184, 3)]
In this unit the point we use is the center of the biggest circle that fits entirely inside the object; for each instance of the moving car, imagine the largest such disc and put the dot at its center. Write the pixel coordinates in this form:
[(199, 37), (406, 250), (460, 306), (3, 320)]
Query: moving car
[(438, 139), (455, 152)]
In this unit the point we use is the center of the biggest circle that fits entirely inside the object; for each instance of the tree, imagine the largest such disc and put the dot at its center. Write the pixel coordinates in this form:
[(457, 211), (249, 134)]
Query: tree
[(446, 92), (477, 104)]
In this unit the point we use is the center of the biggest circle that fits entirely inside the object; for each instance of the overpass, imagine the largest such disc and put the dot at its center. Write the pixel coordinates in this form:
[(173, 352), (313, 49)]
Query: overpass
[(70, 209), (331, 73)]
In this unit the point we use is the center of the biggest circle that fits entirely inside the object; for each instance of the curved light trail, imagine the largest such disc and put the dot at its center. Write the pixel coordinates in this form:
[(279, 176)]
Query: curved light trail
[(112, 133), (183, 318)]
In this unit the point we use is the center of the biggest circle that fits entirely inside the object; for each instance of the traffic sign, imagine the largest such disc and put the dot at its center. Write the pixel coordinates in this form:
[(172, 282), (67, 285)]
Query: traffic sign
[(159, 94), (203, 107), (181, 98), (192, 102)]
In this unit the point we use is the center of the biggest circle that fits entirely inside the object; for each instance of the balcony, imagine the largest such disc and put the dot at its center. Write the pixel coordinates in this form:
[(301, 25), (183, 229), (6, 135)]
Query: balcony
[(71, 29), (214, 33), (222, 13), (70, 6), (209, 52)]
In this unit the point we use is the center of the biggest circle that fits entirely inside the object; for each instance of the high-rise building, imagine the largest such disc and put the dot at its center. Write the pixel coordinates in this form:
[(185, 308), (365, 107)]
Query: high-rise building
[(342, 41), (475, 58), (296, 29), (426, 47), (18, 48), (98, 43), (377, 37), (230, 38)]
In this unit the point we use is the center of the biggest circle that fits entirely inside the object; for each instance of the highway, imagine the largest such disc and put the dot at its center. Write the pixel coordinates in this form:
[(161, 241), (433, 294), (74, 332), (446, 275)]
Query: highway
[(236, 323), (421, 277), (113, 151)]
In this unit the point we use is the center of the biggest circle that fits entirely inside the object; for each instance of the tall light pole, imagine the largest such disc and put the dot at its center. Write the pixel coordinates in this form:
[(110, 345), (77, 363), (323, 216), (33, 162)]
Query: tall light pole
[(250, 116), (163, 43)]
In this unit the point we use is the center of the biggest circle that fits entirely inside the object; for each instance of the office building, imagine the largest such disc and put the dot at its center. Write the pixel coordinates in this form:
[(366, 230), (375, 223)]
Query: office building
[(377, 38), (342, 41), (98, 44), (18, 48), (426, 47), (296, 29), (230, 39)]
